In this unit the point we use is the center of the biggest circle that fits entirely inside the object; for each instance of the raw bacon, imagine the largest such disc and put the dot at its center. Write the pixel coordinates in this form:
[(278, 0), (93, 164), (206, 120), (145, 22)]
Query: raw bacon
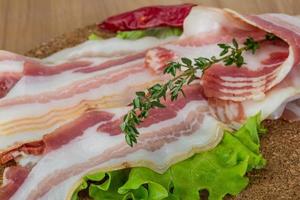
[(61, 117), (58, 137), (262, 71), (191, 130)]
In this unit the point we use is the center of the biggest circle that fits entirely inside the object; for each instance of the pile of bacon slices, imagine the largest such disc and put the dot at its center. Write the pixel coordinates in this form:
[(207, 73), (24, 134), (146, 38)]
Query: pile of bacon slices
[(60, 116)]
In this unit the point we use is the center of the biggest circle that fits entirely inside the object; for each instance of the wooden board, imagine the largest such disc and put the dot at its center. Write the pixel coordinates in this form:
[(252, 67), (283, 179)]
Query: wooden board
[(25, 24)]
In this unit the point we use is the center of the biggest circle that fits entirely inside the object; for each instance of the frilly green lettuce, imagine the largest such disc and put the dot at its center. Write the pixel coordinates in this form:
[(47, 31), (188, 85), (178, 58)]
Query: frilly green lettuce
[(94, 36), (160, 32), (220, 171)]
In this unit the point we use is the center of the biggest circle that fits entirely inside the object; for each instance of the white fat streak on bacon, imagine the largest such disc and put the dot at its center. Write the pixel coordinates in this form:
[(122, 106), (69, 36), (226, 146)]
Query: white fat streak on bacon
[(11, 66), (27, 160), (159, 146), (106, 48)]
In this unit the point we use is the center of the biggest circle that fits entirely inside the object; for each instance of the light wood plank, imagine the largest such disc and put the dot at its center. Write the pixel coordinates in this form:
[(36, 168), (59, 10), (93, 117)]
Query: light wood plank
[(26, 23)]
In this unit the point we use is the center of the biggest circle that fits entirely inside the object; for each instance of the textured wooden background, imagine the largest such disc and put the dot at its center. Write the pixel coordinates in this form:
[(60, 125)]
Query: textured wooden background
[(26, 23)]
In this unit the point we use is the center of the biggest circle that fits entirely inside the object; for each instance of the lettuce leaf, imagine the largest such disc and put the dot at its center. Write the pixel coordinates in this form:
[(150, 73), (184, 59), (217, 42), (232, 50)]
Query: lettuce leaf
[(94, 36), (220, 171), (161, 32)]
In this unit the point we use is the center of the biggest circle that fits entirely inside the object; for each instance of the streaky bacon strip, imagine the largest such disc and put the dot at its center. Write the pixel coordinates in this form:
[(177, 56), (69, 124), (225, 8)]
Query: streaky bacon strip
[(73, 89), (112, 63), (14, 176), (159, 114), (68, 132), (35, 68), (33, 148), (59, 137)]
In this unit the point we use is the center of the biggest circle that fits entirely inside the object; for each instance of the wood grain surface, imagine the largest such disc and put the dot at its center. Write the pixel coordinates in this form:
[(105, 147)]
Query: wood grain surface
[(26, 23)]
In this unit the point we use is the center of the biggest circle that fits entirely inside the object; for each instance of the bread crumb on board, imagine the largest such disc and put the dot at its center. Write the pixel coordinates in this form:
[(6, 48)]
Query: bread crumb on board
[(279, 180)]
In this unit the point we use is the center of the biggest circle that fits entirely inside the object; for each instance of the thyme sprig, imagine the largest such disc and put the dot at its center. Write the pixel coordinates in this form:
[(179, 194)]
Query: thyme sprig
[(144, 101)]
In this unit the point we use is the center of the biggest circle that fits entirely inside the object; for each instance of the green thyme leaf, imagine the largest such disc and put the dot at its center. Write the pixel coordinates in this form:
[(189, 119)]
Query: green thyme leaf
[(235, 43), (231, 54)]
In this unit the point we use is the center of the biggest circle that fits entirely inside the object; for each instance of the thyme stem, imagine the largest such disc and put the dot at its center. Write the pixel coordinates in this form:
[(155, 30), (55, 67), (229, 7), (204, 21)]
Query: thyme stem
[(144, 101)]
